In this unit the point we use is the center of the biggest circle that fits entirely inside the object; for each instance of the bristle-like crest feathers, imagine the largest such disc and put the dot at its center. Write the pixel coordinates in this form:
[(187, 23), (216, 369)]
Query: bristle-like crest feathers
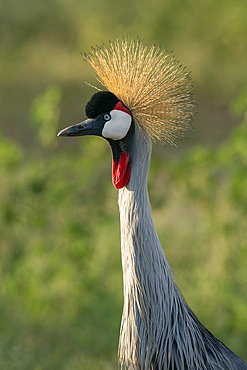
[(151, 83)]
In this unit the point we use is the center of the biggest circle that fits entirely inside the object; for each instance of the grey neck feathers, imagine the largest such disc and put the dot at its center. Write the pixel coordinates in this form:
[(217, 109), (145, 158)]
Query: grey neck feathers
[(158, 329)]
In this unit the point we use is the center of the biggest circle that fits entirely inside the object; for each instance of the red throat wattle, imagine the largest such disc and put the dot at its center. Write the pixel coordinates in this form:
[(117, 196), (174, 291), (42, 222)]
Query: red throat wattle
[(121, 171)]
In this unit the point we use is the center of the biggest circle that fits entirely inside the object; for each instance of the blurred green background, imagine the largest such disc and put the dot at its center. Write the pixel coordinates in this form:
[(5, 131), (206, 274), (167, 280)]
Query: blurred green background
[(60, 276)]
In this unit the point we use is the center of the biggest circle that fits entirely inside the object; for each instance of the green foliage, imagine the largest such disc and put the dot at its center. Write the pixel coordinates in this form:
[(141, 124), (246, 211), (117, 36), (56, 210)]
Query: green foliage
[(10, 154), (239, 104), (55, 286), (45, 115)]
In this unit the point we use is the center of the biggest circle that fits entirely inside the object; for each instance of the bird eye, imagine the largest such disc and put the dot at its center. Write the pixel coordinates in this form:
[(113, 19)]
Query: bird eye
[(107, 117)]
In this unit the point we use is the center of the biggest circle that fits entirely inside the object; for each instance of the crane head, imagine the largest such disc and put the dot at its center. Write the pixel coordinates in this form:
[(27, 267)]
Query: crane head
[(147, 89), (109, 118)]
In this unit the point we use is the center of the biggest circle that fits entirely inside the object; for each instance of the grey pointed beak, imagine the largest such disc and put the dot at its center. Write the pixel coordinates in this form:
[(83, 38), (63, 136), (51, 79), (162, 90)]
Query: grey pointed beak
[(88, 127), (76, 130)]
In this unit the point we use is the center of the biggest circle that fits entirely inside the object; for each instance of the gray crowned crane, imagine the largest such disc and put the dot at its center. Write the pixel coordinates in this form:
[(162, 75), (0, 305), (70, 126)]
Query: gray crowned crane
[(148, 95)]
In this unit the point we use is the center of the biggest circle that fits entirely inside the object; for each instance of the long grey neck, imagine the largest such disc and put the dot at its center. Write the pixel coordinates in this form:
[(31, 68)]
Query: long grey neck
[(147, 276), (158, 329), (138, 235)]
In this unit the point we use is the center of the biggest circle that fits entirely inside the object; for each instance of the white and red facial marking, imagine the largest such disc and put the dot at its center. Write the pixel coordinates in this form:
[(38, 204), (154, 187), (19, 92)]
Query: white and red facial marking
[(118, 123), (121, 171)]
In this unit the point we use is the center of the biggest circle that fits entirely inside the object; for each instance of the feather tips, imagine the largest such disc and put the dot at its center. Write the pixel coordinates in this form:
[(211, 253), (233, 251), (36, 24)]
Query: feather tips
[(152, 84)]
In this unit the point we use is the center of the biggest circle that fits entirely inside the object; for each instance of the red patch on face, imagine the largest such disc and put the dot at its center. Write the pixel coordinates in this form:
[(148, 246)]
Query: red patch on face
[(120, 106), (121, 171)]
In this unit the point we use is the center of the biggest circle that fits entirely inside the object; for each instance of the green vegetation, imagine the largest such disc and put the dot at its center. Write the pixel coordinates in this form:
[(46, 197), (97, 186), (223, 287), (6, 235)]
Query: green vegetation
[(60, 264)]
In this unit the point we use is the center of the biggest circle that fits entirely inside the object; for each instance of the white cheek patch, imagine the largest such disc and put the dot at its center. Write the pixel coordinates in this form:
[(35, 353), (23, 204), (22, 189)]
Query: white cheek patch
[(118, 126)]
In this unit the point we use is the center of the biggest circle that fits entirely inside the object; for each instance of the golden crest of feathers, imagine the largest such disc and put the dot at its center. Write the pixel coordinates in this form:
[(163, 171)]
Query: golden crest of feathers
[(152, 84)]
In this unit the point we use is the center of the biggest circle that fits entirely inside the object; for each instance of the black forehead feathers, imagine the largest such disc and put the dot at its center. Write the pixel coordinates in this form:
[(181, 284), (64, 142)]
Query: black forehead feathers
[(100, 102)]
